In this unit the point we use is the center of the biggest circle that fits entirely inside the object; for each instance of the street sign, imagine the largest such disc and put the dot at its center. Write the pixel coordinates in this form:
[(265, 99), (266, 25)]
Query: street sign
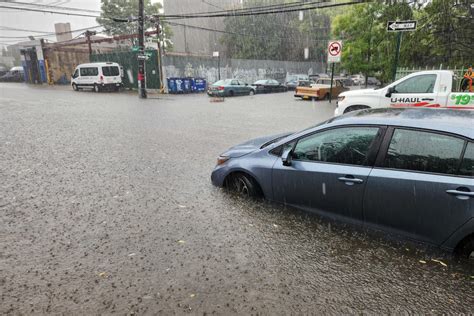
[(334, 51), (401, 26), (135, 48), (143, 57), (215, 54)]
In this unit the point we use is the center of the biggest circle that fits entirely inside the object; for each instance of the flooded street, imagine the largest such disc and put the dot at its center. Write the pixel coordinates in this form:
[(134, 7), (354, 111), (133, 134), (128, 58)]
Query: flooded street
[(107, 207)]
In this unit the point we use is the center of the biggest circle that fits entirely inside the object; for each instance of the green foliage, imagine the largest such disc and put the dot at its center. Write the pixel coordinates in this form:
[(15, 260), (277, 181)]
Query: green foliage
[(444, 36), (276, 36), (127, 9)]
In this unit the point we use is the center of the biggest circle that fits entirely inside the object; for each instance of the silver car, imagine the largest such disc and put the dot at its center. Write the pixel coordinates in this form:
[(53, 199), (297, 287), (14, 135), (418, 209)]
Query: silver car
[(406, 171)]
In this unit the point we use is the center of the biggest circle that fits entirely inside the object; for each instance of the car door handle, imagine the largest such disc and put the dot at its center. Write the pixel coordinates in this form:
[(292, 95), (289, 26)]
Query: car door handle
[(349, 179), (427, 99), (461, 193)]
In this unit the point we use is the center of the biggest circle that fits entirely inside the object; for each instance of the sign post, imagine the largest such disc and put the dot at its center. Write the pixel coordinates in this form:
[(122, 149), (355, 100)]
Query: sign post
[(399, 27), (216, 54), (334, 56)]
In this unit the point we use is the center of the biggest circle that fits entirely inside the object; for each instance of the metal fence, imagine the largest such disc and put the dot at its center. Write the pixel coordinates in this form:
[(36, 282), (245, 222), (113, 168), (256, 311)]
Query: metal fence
[(128, 60)]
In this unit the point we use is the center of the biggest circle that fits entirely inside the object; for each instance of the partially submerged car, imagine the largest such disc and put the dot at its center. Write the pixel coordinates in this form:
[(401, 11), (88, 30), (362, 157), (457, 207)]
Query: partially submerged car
[(321, 90), (291, 81), (268, 86), (229, 88), (406, 171)]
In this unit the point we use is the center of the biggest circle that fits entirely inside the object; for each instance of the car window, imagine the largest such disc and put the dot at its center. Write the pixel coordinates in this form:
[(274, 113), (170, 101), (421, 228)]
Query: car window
[(347, 145), (467, 164), (110, 71), (234, 83), (76, 73), (417, 84), (89, 71), (423, 151), (273, 82)]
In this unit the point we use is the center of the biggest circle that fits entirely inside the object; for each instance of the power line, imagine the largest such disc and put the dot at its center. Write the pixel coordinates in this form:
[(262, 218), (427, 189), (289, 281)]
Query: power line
[(49, 34), (234, 13), (48, 6), (49, 11)]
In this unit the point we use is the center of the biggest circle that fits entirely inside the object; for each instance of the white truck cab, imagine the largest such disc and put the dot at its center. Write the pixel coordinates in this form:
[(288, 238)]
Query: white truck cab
[(420, 89), (97, 76)]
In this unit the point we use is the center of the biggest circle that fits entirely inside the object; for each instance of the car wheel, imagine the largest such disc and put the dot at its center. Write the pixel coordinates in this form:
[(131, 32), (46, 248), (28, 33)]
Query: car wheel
[(244, 185), (251, 92), (326, 96), (74, 87), (356, 108), (466, 249), (96, 88), (231, 93)]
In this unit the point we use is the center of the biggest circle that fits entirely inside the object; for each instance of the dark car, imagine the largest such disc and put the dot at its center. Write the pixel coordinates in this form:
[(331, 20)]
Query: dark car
[(292, 81), (405, 171), (268, 86), (230, 88)]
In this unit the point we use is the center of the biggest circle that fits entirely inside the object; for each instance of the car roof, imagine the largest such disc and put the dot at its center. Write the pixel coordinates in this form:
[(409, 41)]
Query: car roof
[(457, 121), (98, 64)]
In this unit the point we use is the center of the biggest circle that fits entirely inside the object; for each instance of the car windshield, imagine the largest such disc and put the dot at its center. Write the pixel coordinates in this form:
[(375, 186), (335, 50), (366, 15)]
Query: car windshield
[(260, 82)]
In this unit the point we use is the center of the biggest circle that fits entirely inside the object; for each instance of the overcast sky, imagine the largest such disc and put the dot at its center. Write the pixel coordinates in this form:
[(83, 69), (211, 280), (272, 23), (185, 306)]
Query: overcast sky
[(43, 22)]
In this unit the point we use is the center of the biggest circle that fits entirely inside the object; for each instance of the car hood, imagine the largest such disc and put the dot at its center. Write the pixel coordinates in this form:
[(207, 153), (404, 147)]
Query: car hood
[(251, 145)]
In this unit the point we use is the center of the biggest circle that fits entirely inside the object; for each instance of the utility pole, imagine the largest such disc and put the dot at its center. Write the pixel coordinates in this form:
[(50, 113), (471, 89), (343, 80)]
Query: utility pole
[(160, 66), (88, 35), (141, 51)]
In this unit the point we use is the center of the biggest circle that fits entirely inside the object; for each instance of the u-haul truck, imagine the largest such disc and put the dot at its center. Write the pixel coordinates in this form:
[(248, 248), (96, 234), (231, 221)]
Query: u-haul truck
[(434, 89)]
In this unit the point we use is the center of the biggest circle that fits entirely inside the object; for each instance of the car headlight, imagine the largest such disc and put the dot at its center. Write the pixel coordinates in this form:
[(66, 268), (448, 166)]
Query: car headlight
[(340, 98), (222, 159)]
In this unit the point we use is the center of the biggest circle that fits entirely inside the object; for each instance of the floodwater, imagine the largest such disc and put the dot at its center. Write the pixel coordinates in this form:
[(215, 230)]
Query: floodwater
[(107, 207)]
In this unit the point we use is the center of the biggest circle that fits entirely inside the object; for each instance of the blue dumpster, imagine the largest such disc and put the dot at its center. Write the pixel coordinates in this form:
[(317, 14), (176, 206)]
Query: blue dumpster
[(172, 88), (200, 84), (179, 85), (187, 85)]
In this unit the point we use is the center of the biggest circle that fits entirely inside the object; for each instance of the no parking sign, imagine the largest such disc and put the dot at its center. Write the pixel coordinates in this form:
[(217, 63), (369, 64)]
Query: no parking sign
[(334, 51)]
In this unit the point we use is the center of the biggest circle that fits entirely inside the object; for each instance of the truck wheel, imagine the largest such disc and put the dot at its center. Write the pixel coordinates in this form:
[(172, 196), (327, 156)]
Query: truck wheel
[(356, 108), (74, 87), (96, 88)]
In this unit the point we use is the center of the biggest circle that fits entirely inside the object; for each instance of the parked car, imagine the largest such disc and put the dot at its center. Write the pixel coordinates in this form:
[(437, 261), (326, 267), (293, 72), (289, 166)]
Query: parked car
[(268, 86), (432, 88), (15, 74), (320, 90), (97, 76), (230, 88), (291, 81), (372, 81), (319, 76), (358, 79), (405, 171)]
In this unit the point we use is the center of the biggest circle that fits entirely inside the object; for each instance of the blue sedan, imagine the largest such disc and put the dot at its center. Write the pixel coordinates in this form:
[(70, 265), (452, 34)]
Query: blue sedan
[(405, 171)]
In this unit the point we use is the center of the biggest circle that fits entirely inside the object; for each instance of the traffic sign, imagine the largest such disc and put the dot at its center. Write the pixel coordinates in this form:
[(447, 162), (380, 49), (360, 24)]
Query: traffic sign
[(143, 57), (401, 26), (334, 51)]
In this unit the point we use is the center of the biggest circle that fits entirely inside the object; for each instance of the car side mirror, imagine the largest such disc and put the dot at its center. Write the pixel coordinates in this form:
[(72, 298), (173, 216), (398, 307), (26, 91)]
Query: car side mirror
[(390, 91), (286, 157)]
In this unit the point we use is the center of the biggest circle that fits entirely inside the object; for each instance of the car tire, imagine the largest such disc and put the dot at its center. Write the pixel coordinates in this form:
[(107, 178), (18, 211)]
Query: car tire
[(244, 185), (466, 249), (326, 96), (355, 108), (74, 87), (251, 92), (231, 93), (96, 88)]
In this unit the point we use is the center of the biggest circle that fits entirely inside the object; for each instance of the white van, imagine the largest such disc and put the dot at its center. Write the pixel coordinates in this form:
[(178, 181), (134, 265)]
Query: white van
[(97, 76)]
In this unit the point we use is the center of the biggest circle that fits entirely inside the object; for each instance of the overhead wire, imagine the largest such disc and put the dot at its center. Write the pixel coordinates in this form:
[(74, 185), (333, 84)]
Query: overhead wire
[(49, 6)]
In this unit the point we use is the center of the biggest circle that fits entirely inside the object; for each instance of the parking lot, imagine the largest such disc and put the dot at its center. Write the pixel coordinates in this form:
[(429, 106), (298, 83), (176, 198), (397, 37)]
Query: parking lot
[(107, 206)]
